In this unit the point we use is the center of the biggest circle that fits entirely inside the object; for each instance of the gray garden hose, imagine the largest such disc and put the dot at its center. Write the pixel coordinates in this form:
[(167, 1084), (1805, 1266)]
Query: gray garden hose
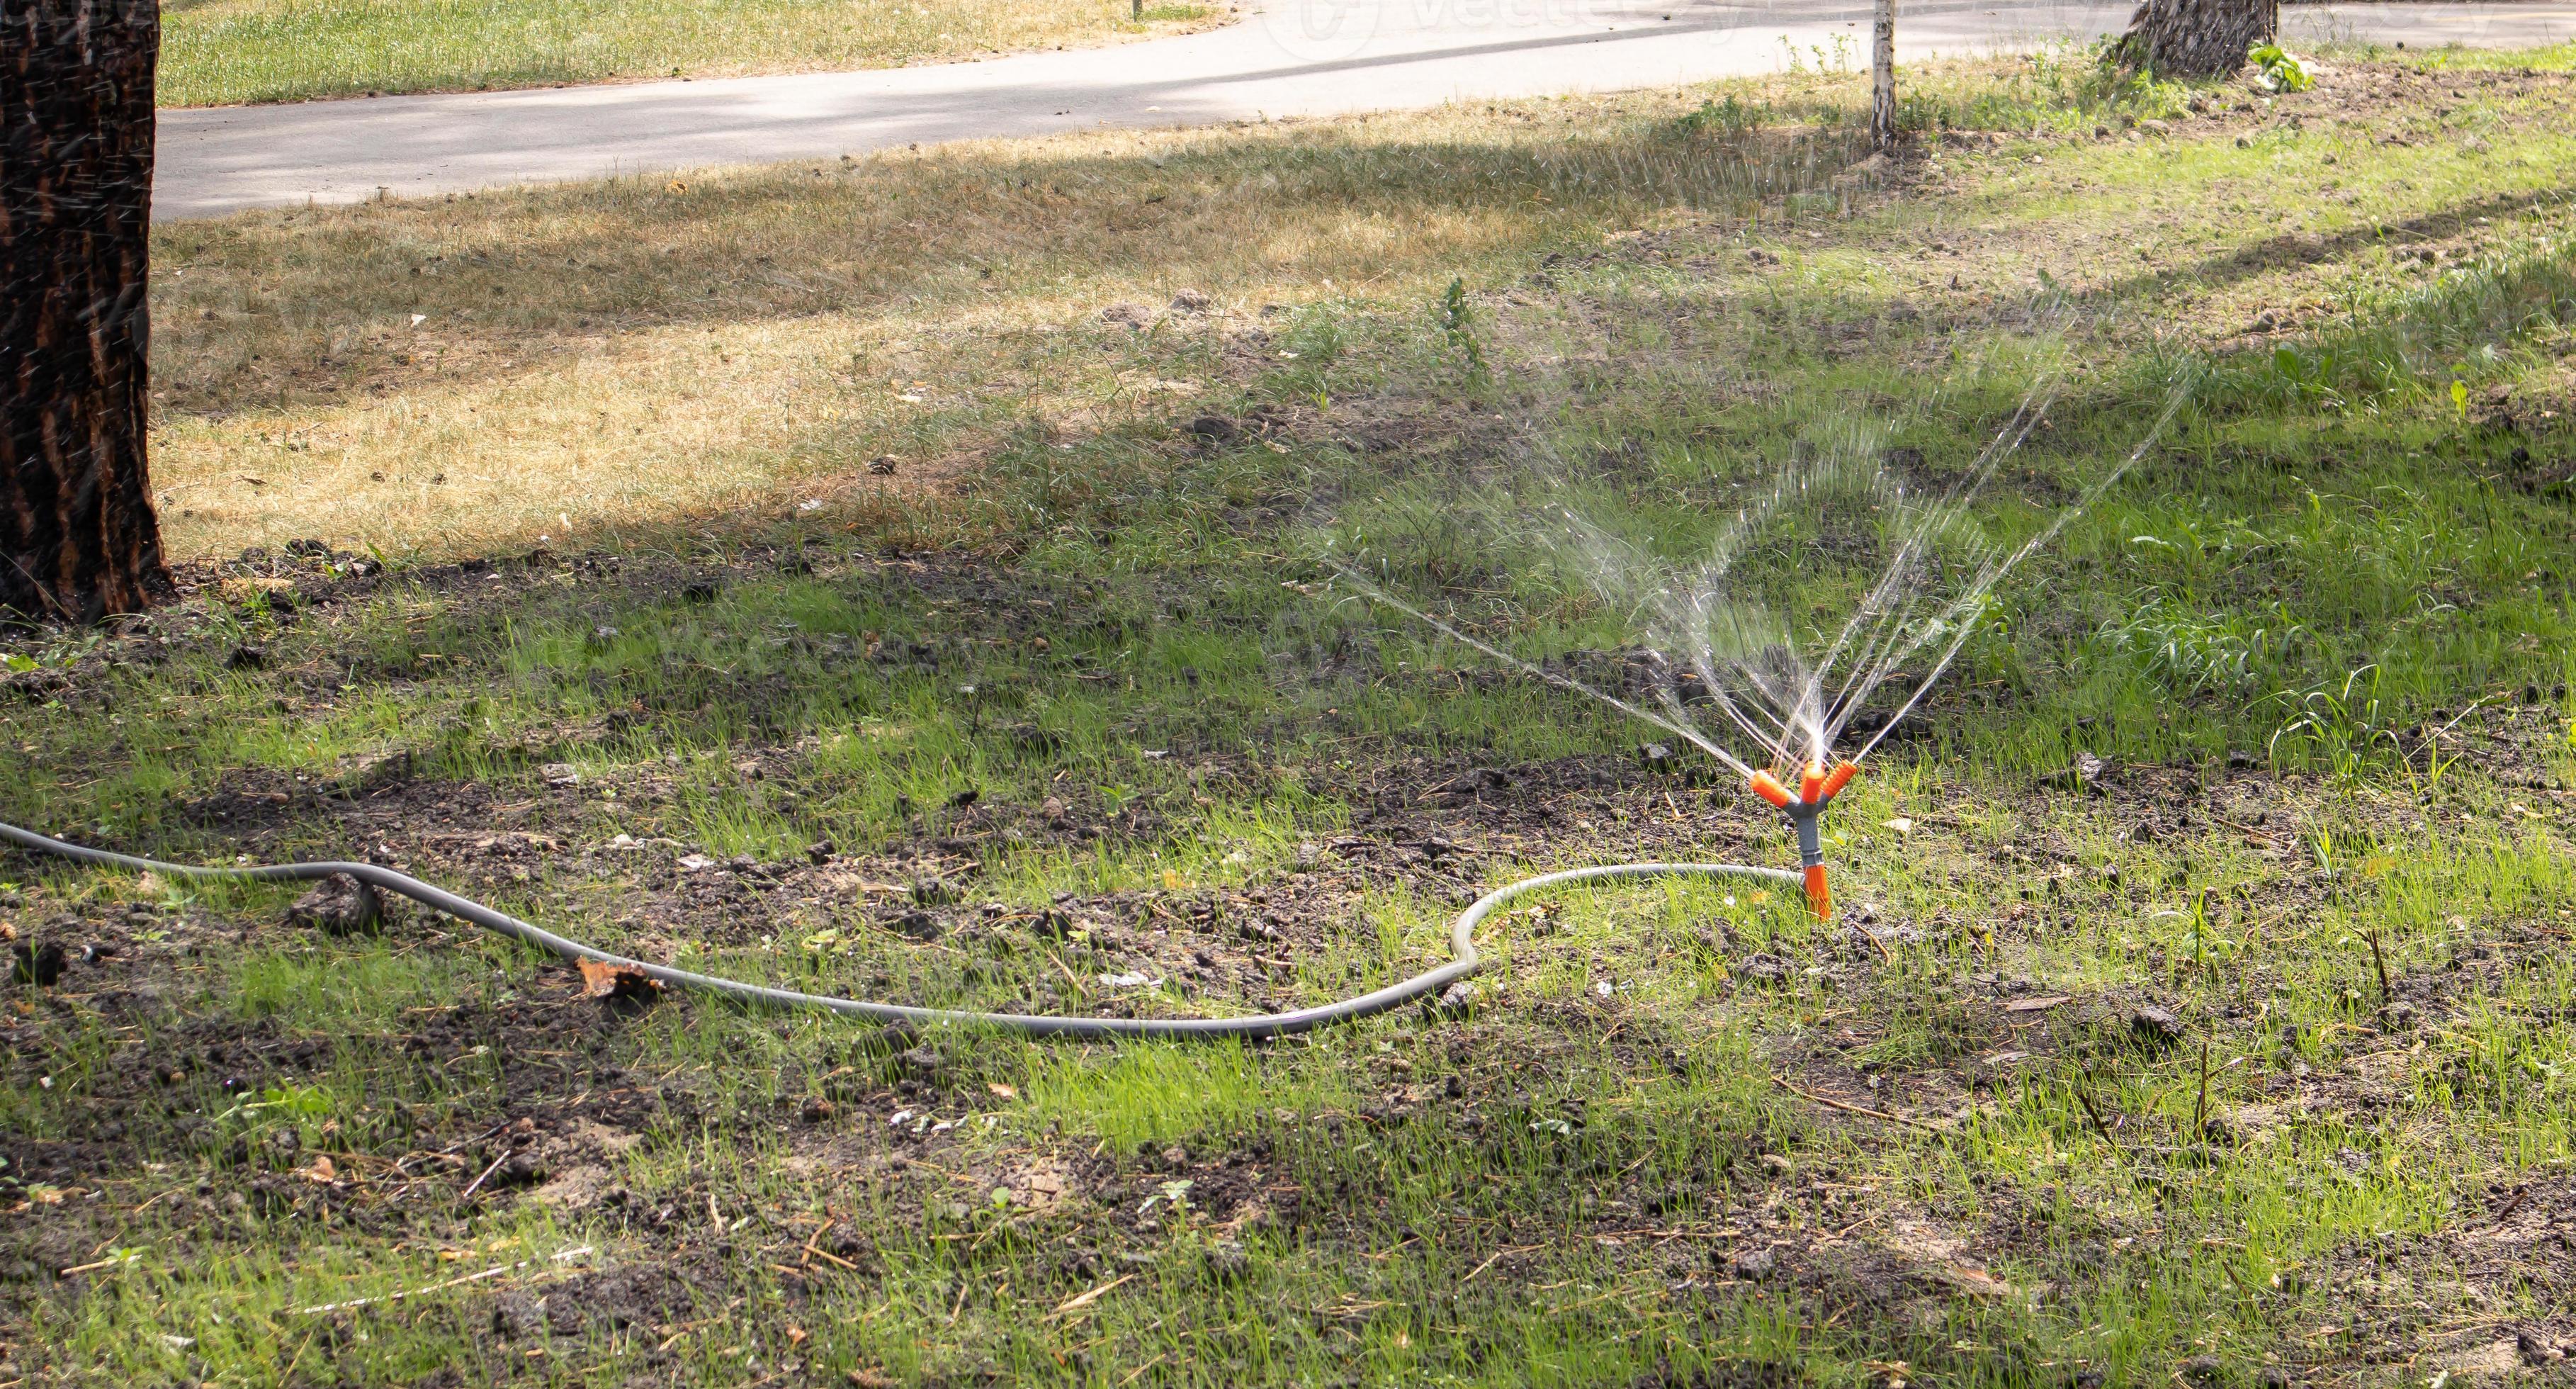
[(1461, 943)]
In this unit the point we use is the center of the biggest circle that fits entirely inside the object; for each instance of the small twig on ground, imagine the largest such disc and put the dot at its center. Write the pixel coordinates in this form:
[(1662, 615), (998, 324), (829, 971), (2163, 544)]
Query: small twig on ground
[(477, 1183), (2379, 962), (496, 1271), (95, 1265), (2084, 1097), (1872, 937), (1830, 1102), (288, 1377), (1079, 1301), (459, 1145), (2200, 1106), (1079, 992), (2259, 833), (1845, 1231), (827, 1256)]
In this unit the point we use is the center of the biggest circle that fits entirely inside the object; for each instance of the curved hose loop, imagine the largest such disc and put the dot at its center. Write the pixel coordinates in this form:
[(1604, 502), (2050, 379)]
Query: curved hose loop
[(1462, 945)]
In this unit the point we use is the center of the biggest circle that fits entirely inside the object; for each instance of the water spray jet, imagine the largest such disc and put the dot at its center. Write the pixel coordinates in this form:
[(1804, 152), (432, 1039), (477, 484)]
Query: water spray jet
[(1726, 639)]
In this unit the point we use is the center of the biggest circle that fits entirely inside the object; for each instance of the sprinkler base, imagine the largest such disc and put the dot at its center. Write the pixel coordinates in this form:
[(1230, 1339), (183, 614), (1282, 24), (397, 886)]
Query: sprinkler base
[(1817, 788)]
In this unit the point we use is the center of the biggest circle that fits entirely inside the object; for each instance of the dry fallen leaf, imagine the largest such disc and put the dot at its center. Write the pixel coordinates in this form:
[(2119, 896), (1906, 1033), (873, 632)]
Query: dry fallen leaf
[(1969, 1278), (322, 1169), (998, 1088), (2034, 1005), (617, 981)]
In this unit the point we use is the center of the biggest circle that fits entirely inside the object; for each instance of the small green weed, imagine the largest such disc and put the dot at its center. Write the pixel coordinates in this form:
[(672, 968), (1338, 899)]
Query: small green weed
[(1732, 118), (2278, 69)]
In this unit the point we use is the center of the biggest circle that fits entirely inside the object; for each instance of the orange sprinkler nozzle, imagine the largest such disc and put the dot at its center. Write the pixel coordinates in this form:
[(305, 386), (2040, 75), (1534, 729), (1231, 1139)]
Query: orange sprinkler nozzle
[(1816, 786)]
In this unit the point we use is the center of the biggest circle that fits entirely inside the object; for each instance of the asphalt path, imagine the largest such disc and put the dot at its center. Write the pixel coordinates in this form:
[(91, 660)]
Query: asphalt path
[(1285, 58)]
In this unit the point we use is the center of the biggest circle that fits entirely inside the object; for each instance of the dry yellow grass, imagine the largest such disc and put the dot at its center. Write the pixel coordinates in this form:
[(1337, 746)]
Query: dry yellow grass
[(457, 375)]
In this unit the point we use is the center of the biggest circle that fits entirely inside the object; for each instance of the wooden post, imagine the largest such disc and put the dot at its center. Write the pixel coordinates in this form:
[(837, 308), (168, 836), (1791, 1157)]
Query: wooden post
[(1882, 80), (78, 540)]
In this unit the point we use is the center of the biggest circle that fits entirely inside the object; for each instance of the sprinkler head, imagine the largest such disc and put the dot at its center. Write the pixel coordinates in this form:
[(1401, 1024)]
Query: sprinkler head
[(1817, 788)]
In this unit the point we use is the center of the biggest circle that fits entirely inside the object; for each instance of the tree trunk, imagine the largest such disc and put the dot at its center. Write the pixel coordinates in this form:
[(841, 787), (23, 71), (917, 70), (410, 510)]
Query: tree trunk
[(2197, 38), (1882, 79), (78, 539)]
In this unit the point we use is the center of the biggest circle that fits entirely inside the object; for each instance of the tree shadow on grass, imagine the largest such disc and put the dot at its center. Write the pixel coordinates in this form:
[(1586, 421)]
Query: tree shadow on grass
[(271, 310), (2294, 249)]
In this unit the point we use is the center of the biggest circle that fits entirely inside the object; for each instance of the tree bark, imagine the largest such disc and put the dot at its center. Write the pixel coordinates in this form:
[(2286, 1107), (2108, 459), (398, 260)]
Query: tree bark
[(78, 538), (1882, 79), (2197, 38)]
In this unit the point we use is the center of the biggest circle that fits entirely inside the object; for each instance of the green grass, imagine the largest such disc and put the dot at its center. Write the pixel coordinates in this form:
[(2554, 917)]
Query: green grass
[(2327, 555), (231, 52)]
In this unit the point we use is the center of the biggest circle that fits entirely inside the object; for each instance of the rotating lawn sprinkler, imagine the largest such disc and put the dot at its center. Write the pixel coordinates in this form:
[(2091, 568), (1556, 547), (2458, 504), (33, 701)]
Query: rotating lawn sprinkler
[(1806, 811), (1721, 640)]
